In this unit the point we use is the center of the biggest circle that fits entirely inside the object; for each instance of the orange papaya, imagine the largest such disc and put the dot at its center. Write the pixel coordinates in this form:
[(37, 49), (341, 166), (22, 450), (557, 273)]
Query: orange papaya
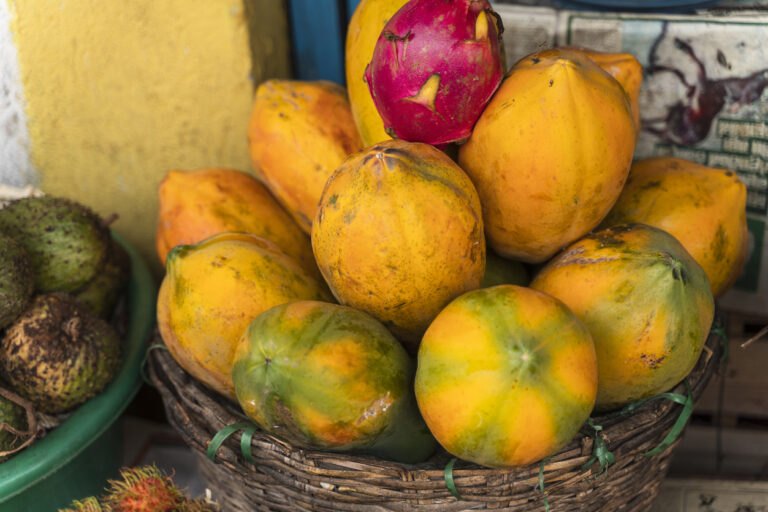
[(363, 31), (299, 133), (195, 205), (550, 154), (644, 299), (398, 234), (213, 289), (626, 69), (506, 376), (703, 207)]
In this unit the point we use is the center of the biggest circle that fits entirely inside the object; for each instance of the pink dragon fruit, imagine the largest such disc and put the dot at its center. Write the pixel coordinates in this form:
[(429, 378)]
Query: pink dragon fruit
[(435, 66)]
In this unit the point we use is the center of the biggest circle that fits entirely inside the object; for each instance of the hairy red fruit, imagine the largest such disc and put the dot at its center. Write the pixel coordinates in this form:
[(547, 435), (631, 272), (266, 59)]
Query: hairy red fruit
[(435, 66)]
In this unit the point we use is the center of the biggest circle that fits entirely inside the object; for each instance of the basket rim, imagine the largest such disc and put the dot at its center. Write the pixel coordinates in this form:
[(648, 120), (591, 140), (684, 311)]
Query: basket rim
[(342, 466)]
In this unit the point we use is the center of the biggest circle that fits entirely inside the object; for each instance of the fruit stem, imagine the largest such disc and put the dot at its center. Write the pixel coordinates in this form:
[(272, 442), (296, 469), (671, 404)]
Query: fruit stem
[(109, 220)]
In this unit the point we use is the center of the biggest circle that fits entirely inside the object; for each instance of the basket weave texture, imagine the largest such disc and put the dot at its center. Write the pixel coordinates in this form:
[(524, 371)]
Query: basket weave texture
[(288, 478)]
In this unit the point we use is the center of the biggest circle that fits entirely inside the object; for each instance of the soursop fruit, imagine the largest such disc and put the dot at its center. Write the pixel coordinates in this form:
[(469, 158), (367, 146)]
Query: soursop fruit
[(17, 282), (58, 354), (67, 243), (102, 293)]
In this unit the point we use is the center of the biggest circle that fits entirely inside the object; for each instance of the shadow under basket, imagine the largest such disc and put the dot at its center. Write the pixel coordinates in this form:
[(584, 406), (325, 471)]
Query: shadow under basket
[(287, 478)]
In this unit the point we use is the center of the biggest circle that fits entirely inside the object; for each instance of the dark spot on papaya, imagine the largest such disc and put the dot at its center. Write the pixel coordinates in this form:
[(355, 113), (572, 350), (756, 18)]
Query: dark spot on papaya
[(729, 173), (651, 184), (390, 162), (652, 362), (719, 244), (535, 60), (605, 239), (396, 152), (332, 200), (623, 228), (551, 82)]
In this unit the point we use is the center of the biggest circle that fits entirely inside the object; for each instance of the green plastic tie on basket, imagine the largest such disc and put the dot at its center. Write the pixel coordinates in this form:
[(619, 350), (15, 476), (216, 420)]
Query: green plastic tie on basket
[(682, 419), (449, 483), (248, 429), (143, 367), (245, 443), (600, 451), (541, 482)]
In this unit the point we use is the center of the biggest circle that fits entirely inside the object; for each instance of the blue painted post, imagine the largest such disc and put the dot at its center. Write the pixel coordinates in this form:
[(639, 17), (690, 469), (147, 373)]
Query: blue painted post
[(351, 6), (317, 38)]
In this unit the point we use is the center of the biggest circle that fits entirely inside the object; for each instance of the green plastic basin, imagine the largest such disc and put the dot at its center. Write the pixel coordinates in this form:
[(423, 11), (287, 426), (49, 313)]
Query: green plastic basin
[(75, 459)]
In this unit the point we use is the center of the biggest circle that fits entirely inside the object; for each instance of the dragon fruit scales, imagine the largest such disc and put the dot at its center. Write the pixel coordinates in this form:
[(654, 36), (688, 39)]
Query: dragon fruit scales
[(435, 66)]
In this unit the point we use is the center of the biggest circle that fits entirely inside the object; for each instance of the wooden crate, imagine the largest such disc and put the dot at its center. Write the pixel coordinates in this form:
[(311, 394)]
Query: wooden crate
[(739, 392)]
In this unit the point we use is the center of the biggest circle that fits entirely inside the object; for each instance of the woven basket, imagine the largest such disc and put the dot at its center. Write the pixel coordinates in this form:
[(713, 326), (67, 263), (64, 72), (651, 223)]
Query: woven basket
[(287, 478)]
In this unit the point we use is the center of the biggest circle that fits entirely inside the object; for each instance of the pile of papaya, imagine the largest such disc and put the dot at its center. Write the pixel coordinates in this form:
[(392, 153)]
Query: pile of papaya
[(447, 252)]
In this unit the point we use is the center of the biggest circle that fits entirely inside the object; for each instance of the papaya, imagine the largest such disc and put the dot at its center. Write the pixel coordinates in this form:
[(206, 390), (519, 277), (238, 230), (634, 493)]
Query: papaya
[(363, 31), (506, 376), (195, 205), (626, 69), (500, 270), (330, 377), (398, 234), (644, 299), (550, 154), (298, 134), (213, 289), (703, 207)]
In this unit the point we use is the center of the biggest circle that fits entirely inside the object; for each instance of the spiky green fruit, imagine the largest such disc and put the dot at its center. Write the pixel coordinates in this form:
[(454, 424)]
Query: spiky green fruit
[(17, 282), (67, 243), (58, 354), (102, 293)]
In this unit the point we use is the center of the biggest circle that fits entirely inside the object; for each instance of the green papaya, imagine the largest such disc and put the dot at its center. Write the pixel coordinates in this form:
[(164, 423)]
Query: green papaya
[(500, 270), (330, 377)]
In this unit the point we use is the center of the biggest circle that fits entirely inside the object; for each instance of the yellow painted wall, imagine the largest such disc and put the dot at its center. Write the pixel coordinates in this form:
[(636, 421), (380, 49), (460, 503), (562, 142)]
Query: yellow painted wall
[(119, 92)]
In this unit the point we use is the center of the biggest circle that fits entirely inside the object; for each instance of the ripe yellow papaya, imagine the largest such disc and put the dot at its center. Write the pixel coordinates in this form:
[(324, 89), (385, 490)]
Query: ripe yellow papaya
[(506, 376), (626, 69), (703, 207), (211, 292), (644, 299), (363, 31), (399, 234), (196, 205), (550, 153), (299, 133)]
